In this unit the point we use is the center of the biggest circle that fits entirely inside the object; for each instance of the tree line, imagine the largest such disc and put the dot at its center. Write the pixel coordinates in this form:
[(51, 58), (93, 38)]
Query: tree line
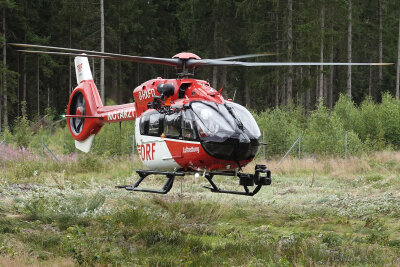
[(302, 30)]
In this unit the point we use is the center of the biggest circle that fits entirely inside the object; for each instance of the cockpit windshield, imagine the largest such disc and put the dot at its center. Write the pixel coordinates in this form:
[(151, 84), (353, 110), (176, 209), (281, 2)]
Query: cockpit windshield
[(213, 121), (245, 118), (217, 122)]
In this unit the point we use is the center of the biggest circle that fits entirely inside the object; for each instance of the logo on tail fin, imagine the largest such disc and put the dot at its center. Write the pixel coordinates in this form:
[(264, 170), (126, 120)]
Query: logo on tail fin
[(79, 67), (82, 68)]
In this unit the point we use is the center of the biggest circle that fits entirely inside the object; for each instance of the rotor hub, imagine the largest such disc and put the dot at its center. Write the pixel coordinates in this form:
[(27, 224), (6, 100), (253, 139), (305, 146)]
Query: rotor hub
[(186, 55)]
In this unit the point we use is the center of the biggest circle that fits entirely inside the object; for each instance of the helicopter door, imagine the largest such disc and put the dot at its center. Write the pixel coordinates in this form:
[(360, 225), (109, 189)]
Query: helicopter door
[(188, 129), (152, 149)]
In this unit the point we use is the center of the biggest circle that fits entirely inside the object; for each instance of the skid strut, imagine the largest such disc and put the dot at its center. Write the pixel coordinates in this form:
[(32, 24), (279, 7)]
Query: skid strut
[(261, 177), (144, 173)]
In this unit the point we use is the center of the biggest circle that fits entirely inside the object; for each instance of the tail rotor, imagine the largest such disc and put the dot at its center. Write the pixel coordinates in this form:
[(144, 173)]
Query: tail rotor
[(78, 108)]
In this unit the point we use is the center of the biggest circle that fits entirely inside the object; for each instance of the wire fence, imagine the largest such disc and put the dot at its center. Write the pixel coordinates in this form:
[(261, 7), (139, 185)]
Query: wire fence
[(297, 145), (47, 153)]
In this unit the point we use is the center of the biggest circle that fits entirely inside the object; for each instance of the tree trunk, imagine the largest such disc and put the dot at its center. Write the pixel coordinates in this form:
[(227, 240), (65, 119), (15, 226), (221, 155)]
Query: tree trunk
[(114, 83), (19, 84), (289, 93), (247, 94), (398, 65), (349, 40), (224, 82), (302, 100), (277, 69), (102, 50), (370, 81), (38, 90), (5, 109), (321, 71), (317, 88), (308, 92), (380, 40), (215, 69), (119, 52), (69, 59), (331, 72), (284, 86), (24, 76)]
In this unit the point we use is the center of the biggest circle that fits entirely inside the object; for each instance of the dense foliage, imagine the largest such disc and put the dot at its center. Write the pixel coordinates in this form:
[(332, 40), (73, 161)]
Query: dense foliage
[(212, 29)]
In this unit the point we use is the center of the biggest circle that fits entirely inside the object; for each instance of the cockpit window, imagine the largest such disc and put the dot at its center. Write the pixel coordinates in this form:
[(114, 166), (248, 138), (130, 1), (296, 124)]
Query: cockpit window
[(172, 125), (188, 129), (213, 121), (151, 124), (245, 118)]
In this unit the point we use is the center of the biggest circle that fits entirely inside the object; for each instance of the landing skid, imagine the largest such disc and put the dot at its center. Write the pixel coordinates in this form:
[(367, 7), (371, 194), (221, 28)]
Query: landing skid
[(261, 177), (144, 173), (245, 180)]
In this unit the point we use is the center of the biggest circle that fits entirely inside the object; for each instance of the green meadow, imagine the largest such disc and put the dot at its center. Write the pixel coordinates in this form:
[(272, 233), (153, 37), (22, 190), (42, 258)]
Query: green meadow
[(326, 211)]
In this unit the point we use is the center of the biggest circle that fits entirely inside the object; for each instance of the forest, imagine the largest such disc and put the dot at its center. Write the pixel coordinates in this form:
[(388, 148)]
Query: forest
[(333, 201), (298, 31)]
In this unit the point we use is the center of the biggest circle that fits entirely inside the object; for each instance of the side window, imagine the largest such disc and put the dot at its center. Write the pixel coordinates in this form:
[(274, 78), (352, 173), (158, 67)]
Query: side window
[(144, 125), (172, 125), (188, 132), (154, 124), (150, 124)]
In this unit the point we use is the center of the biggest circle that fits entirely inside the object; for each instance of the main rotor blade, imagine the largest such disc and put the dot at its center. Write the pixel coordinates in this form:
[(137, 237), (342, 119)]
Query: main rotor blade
[(212, 62), (63, 54), (247, 56), (154, 60)]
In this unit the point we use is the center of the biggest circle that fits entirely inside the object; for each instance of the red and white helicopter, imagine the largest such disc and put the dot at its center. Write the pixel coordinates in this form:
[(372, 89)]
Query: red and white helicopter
[(182, 125)]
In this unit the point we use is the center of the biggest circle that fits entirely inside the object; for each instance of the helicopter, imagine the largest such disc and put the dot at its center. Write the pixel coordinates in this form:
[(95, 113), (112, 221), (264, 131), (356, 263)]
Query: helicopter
[(182, 126)]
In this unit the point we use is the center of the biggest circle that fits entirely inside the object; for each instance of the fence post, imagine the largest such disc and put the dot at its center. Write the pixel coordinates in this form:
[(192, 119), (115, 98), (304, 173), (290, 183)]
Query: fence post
[(299, 145), (264, 144), (64, 138), (345, 146), (133, 150), (48, 150), (291, 148), (127, 142)]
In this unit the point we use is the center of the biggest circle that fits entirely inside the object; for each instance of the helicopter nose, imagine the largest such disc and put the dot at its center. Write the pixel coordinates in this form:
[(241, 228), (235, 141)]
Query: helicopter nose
[(235, 148)]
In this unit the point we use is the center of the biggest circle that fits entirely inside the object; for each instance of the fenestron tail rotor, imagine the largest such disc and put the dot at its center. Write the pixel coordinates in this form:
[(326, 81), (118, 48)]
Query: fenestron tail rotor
[(78, 107)]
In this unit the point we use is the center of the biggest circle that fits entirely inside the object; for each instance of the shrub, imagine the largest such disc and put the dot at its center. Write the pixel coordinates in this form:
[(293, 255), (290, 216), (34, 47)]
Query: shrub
[(325, 134), (389, 117), (22, 133), (348, 114), (371, 130), (282, 127)]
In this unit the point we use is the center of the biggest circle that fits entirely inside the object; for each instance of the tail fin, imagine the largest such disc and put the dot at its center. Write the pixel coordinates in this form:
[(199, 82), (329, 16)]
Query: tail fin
[(86, 113), (82, 69)]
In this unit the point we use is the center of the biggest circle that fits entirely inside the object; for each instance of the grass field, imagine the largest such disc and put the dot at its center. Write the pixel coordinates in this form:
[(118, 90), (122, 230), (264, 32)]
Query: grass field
[(316, 212)]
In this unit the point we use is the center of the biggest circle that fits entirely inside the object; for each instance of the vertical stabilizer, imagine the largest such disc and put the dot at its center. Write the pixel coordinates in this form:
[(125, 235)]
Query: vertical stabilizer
[(82, 69)]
